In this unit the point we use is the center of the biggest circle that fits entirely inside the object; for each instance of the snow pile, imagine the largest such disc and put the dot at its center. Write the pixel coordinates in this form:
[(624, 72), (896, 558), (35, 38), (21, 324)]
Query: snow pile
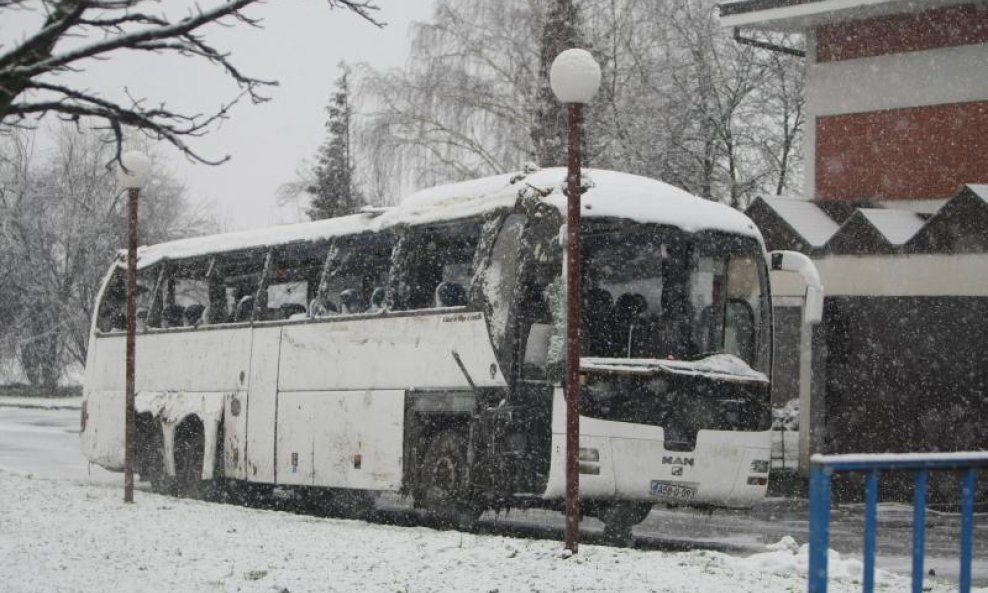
[(71, 536), (727, 367), (788, 557), (786, 417)]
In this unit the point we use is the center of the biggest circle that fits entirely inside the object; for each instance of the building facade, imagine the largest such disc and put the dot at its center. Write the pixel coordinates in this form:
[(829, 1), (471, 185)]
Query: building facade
[(894, 213)]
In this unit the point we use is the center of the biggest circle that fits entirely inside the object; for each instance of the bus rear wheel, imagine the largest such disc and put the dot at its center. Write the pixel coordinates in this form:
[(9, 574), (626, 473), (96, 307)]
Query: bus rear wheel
[(190, 443), (149, 453), (444, 488), (619, 517)]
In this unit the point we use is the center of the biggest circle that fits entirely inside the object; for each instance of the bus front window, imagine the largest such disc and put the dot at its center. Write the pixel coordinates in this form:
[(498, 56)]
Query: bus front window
[(653, 292), (727, 292)]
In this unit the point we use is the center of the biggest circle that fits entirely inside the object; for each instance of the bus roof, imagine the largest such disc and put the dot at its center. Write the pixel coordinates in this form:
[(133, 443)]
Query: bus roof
[(610, 195)]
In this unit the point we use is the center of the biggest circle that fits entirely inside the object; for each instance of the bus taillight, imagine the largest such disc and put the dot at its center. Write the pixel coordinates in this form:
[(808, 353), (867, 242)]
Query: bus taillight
[(84, 416)]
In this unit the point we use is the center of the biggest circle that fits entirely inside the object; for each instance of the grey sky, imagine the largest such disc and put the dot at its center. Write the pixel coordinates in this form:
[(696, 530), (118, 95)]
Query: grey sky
[(300, 46)]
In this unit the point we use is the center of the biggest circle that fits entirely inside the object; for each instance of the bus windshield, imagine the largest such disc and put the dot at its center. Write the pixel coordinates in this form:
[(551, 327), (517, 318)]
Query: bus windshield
[(653, 292)]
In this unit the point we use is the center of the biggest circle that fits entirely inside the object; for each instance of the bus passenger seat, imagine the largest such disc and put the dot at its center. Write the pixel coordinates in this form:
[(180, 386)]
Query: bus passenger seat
[(377, 299), (245, 309), (118, 321), (351, 302), (598, 313), (450, 294), (193, 314), (289, 310), (173, 315), (320, 308)]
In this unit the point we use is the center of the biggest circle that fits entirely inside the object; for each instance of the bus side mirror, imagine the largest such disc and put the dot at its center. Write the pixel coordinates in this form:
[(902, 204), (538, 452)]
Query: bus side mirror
[(813, 308), (793, 261)]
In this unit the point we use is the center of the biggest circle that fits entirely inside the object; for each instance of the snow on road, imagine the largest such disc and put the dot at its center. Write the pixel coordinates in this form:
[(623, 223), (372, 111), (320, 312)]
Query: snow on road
[(67, 535)]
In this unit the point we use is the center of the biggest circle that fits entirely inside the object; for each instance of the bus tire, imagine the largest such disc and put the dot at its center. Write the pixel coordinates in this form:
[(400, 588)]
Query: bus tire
[(188, 453), (149, 454), (443, 482), (620, 517)]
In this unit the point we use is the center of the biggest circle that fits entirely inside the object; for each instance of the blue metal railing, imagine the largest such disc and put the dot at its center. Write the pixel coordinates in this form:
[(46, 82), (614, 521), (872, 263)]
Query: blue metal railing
[(823, 467)]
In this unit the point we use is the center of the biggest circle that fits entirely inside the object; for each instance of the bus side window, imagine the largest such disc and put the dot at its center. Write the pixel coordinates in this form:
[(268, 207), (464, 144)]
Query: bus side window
[(436, 265), (183, 294), (354, 275), (233, 282), (293, 280), (113, 308)]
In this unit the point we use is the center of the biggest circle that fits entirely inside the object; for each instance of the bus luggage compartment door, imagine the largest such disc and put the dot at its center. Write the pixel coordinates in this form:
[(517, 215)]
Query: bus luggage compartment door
[(341, 439)]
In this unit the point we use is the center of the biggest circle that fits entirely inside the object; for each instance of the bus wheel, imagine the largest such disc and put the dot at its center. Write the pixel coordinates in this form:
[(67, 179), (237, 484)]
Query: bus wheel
[(149, 454), (620, 517), (189, 448), (443, 487)]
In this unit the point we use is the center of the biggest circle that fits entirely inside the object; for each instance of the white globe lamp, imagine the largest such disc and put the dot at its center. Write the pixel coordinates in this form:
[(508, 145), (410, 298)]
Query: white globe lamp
[(574, 76), (135, 170)]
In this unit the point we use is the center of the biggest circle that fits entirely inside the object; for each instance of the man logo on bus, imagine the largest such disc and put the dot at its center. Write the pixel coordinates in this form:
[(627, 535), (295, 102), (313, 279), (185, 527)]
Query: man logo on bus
[(670, 460)]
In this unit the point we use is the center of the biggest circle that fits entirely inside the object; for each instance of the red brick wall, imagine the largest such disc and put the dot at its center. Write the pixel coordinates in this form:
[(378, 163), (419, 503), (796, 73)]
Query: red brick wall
[(943, 27), (916, 153)]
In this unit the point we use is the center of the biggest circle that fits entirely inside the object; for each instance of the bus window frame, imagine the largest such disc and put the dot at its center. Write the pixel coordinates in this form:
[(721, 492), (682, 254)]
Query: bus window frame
[(155, 305)]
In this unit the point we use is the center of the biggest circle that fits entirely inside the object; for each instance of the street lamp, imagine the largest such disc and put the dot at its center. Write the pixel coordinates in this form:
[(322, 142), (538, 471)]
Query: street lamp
[(132, 176), (574, 78)]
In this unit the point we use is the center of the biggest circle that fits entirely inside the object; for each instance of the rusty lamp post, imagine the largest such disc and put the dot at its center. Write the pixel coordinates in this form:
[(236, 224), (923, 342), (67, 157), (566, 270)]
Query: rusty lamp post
[(132, 175), (574, 78)]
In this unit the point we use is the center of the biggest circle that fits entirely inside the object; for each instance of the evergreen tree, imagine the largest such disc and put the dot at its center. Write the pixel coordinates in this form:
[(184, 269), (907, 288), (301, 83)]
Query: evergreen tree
[(333, 190), (560, 32)]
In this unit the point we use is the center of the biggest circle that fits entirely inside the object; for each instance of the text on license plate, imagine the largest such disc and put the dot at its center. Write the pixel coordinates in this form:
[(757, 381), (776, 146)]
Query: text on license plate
[(672, 490)]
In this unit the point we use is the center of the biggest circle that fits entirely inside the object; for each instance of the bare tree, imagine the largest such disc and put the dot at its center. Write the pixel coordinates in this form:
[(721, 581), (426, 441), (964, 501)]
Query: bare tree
[(74, 33), (680, 100), (465, 105), (62, 218), (784, 99)]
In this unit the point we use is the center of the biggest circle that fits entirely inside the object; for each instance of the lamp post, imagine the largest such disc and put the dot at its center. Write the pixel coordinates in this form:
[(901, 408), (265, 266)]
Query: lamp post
[(574, 78), (132, 176)]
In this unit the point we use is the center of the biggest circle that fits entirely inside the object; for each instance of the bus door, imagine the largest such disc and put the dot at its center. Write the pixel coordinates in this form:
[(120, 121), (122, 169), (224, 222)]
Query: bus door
[(261, 404)]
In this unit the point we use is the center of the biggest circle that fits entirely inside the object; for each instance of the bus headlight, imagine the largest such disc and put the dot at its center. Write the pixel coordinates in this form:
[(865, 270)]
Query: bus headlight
[(759, 466), (590, 461), (589, 455)]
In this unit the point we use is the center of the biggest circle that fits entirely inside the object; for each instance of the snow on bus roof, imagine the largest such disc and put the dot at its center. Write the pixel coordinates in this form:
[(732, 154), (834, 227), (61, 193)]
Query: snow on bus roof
[(610, 195), (316, 230)]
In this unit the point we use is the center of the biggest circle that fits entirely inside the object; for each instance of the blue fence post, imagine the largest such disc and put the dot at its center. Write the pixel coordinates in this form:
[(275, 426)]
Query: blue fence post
[(919, 529), (819, 527), (967, 529), (871, 528)]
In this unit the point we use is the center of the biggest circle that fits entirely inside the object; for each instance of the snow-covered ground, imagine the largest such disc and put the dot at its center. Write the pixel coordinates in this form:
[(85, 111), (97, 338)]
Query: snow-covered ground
[(69, 514), (67, 535)]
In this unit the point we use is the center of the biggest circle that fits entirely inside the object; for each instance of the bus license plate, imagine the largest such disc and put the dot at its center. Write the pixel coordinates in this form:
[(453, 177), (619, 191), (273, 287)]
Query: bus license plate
[(672, 490)]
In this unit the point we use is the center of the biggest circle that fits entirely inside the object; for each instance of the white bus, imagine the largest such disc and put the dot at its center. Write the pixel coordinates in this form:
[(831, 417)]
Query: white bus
[(419, 350)]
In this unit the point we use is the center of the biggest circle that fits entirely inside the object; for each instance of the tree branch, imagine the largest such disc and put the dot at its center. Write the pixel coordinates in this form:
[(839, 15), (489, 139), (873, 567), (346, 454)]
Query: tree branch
[(123, 30)]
